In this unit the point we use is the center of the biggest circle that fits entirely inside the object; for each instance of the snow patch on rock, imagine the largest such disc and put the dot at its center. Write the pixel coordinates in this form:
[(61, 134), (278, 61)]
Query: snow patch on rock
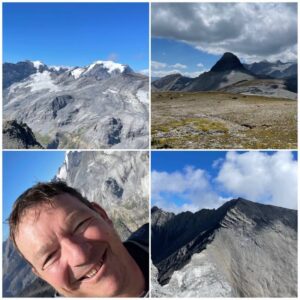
[(41, 81)]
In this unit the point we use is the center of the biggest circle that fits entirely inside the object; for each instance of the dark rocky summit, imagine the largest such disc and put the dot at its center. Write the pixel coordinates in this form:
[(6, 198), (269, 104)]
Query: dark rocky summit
[(228, 62), (18, 136), (242, 249)]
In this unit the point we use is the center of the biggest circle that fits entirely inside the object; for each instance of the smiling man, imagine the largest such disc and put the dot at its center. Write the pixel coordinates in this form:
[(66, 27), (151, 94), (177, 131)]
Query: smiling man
[(71, 243)]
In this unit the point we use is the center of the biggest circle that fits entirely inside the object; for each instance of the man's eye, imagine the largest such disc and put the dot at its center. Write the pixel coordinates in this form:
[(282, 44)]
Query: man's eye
[(81, 226), (50, 259)]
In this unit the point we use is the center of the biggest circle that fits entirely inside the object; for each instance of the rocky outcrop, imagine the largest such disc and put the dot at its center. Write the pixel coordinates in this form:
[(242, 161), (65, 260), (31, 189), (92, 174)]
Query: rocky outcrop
[(242, 249), (18, 136)]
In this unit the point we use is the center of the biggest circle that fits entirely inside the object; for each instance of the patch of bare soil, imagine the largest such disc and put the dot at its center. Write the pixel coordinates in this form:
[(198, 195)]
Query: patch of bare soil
[(214, 120)]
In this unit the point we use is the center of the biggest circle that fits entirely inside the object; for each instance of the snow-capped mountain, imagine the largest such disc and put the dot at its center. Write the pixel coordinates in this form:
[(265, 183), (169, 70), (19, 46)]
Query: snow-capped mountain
[(102, 105), (101, 70)]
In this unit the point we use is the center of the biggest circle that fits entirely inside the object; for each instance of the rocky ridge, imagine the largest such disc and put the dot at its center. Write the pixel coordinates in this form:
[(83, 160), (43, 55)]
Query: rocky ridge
[(242, 249)]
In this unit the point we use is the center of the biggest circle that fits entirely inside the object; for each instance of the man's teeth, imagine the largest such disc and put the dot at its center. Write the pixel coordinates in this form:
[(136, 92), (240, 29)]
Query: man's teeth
[(94, 271)]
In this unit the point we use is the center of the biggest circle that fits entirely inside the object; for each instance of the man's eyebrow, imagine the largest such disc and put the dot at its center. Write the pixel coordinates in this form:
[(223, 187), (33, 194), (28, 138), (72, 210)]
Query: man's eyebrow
[(73, 216), (42, 251)]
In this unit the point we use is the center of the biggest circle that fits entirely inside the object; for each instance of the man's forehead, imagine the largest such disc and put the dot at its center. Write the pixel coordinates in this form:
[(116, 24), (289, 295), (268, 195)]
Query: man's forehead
[(63, 204)]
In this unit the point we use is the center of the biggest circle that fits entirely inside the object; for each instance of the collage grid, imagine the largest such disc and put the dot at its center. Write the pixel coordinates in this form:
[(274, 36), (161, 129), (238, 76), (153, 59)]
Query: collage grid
[(174, 118)]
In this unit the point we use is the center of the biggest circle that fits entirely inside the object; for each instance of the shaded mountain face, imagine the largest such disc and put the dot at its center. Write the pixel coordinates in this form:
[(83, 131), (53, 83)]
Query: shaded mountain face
[(18, 136), (228, 62), (276, 69), (118, 181), (173, 82), (18, 279), (242, 249), (78, 107)]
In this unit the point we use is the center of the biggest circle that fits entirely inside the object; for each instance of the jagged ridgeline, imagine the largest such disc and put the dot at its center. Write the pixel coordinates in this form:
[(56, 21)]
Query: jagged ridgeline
[(102, 105), (242, 249), (118, 181)]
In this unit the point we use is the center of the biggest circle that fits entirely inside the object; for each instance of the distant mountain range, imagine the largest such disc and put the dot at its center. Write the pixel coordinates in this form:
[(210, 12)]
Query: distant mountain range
[(118, 181), (230, 75), (102, 105), (242, 249)]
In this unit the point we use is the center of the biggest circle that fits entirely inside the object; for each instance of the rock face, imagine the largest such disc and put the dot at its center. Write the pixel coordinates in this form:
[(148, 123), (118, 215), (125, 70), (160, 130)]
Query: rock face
[(18, 136), (228, 62), (242, 249), (118, 181), (276, 69), (73, 107), (173, 82)]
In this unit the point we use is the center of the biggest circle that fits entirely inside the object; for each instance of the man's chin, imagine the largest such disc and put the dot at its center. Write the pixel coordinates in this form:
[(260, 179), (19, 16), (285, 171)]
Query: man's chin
[(111, 286)]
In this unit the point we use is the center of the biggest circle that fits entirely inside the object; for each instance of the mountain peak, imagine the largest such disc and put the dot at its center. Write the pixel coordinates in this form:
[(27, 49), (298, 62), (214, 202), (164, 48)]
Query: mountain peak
[(37, 64), (227, 62), (101, 69), (110, 66)]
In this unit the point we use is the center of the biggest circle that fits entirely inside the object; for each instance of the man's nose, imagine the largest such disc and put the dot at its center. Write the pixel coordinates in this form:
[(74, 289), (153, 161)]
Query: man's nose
[(76, 251)]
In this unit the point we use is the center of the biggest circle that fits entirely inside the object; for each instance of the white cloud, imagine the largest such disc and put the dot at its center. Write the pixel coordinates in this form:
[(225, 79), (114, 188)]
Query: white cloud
[(260, 177), (253, 31), (179, 66), (158, 65), (161, 69), (256, 176), (200, 65), (144, 72), (191, 185), (162, 73)]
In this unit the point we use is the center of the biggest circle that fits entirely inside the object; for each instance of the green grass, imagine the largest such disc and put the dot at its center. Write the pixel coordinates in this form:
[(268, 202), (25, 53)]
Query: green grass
[(198, 124)]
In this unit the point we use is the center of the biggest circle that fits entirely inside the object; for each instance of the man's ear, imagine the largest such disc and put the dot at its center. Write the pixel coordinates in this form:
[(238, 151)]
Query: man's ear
[(101, 212)]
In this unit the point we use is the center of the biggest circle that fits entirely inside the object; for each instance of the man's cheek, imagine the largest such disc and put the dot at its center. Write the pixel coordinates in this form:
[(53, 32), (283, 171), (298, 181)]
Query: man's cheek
[(96, 231), (58, 277)]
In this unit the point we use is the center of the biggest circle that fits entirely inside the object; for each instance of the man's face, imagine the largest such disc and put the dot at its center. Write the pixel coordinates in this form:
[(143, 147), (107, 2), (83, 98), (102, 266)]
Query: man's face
[(75, 249)]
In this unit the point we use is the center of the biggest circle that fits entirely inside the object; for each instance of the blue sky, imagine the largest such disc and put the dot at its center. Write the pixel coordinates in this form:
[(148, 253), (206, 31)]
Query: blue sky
[(76, 34), (185, 35), (175, 53), (191, 180), (21, 170)]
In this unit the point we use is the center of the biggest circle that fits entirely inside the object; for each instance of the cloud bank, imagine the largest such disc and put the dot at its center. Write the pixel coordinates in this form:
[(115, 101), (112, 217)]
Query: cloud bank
[(161, 69), (253, 31), (256, 176)]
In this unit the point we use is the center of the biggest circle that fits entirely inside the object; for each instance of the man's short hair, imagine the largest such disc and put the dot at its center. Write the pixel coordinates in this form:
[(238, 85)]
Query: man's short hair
[(40, 193)]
